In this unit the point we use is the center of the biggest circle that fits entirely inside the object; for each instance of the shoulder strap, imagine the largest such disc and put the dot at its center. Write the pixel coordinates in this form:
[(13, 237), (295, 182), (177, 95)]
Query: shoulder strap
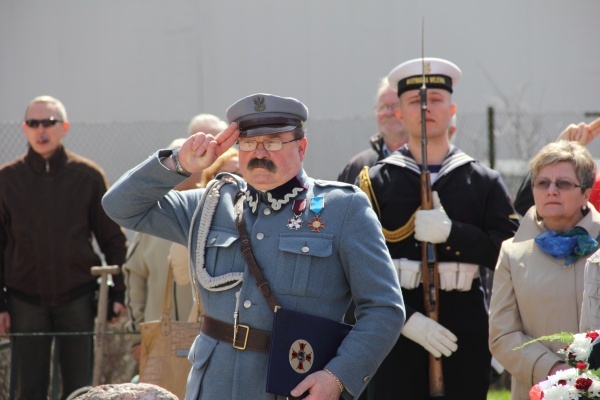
[(261, 282), (170, 294), (166, 304)]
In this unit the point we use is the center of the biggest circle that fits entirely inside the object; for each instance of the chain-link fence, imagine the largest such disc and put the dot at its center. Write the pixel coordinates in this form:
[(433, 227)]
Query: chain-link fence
[(118, 146), (118, 367)]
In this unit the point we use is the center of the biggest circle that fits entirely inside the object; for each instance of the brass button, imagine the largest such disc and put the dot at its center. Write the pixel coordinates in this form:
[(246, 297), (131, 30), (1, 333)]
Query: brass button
[(247, 304), (448, 247), (305, 249), (367, 379), (457, 253), (260, 236), (267, 211)]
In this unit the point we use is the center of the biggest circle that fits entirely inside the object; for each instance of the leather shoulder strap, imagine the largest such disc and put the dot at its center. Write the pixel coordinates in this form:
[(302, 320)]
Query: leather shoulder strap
[(261, 282)]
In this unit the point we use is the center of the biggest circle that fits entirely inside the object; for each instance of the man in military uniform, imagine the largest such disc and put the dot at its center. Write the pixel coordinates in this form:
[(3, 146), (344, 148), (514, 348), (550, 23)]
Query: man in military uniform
[(472, 214), (308, 237)]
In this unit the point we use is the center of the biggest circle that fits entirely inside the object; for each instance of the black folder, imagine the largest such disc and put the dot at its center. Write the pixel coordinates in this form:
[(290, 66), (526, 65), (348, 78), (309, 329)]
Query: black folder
[(300, 345)]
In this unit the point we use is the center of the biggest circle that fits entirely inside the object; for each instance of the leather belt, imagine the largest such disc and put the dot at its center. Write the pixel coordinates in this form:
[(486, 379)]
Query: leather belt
[(245, 338)]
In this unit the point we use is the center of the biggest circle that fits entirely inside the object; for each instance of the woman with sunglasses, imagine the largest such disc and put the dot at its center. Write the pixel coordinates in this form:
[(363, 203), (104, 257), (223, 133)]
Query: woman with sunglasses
[(538, 283)]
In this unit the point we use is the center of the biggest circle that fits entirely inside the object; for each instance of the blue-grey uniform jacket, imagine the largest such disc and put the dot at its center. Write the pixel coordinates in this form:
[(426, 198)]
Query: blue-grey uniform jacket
[(309, 271)]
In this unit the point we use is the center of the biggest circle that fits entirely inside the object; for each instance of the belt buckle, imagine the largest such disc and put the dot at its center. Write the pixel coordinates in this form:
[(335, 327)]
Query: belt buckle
[(242, 347)]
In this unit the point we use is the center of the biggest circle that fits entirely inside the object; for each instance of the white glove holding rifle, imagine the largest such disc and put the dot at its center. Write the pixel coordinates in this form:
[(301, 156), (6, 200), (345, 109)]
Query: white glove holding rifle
[(432, 336), (432, 226)]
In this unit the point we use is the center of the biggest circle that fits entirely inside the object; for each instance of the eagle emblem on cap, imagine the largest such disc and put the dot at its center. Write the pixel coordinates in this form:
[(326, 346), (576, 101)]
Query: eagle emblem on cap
[(259, 104), (427, 68)]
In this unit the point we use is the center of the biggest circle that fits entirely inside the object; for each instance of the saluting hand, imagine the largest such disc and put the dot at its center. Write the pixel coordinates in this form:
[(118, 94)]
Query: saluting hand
[(201, 150)]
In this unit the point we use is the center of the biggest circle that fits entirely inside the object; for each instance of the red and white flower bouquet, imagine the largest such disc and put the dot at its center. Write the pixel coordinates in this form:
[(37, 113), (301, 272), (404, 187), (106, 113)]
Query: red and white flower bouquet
[(579, 382)]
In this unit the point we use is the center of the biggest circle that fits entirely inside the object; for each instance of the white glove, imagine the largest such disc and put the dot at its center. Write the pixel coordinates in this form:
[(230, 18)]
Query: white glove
[(433, 225), (432, 336)]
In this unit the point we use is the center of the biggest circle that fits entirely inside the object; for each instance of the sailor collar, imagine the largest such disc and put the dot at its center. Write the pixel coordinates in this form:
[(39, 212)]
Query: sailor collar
[(278, 196), (403, 158)]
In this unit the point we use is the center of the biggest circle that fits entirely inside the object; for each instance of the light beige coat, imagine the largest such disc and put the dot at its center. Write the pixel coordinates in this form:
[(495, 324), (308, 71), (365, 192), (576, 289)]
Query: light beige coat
[(533, 295), (145, 274), (590, 311)]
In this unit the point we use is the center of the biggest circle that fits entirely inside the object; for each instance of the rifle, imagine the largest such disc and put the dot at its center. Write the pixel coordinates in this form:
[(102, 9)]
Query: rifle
[(429, 264)]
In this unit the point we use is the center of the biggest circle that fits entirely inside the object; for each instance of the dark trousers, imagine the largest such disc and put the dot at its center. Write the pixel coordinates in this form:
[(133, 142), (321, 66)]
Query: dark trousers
[(404, 374), (31, 354)]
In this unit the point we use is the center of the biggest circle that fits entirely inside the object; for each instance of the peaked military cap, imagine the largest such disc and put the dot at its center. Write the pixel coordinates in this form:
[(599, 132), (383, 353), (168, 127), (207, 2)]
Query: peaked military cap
[(267, 114), (439, 74)]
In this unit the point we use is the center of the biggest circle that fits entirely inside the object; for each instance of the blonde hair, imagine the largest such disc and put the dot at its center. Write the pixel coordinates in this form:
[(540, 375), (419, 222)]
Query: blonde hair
[(210, 172), (566, 151), (49, 99)]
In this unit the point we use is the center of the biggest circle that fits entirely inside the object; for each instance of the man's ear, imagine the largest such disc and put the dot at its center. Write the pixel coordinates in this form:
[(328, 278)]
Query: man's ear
[(398, 113), (302, 143), (65, 127)]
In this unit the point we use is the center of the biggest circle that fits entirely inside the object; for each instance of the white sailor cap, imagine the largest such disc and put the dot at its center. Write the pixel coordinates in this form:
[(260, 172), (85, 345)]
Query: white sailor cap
[(439, 74), (267, 114)]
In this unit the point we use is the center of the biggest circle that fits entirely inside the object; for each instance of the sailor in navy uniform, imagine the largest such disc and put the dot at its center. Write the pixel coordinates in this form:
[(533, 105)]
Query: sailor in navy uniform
[(471, 217), (318, 244)]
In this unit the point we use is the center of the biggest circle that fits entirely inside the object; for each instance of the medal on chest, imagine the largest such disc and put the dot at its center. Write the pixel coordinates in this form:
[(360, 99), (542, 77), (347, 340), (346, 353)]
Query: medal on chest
[(316, 205), (298, 207)]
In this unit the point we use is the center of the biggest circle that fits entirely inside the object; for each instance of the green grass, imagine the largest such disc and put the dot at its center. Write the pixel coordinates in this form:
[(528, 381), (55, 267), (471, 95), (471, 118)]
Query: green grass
[(498, 395)]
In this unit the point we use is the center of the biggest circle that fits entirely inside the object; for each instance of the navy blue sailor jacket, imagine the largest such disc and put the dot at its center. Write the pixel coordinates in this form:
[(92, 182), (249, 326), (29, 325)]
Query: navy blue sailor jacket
[(479, 206), (316, 271)]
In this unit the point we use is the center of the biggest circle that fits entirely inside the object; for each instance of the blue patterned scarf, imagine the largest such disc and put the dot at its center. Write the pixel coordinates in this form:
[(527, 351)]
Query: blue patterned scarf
[(571, 244)]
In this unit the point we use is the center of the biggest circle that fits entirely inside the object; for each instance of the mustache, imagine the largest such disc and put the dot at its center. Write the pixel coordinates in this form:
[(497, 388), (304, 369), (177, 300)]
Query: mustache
[(262, 163)]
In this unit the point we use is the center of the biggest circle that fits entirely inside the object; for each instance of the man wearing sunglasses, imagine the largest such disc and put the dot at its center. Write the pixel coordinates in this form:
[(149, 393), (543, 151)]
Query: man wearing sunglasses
[(49, 211), (318, 244)]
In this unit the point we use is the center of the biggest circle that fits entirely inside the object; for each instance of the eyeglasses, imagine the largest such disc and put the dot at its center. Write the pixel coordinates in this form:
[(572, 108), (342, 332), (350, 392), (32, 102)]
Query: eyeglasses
[(46, 123), (561, 184), (269, 145), (380, 108)]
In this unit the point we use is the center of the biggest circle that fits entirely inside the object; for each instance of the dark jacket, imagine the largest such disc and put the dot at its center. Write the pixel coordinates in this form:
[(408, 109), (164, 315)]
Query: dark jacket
[(50, 211), (477, 202), (482, 215), (366, 157)]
